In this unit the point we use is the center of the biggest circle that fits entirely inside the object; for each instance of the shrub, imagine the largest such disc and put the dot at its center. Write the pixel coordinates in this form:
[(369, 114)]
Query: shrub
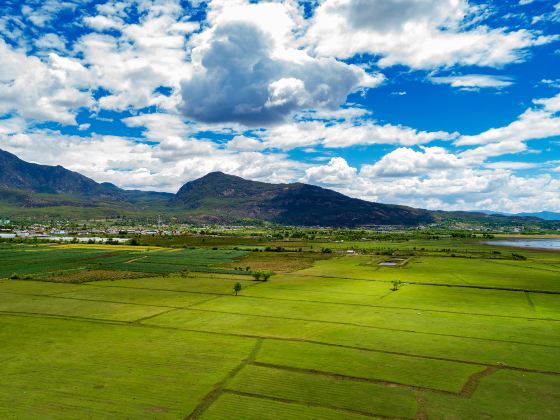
[(396, 285), (262, 275)]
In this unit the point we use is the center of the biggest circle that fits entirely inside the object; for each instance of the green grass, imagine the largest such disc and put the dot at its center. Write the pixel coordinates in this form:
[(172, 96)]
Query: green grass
[(453, 271), (329, 391), (52, 261), (329, 341), (530, 331), (138, 296), (504, 395), (238, 407), (195, 283), (75, 308), (54, 368), (406, 370)]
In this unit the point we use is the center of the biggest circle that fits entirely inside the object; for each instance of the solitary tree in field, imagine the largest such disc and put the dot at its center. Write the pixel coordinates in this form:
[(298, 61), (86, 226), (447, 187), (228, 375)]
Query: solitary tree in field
[(396, 284), (237, 288)]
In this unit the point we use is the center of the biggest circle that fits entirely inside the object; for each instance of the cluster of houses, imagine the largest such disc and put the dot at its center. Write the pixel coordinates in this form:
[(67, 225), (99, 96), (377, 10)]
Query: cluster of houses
[(46, 232)]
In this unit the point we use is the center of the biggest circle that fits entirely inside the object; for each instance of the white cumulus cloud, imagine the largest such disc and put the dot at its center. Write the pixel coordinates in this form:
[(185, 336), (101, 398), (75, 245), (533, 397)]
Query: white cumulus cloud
[(421, 34), (248, 70)]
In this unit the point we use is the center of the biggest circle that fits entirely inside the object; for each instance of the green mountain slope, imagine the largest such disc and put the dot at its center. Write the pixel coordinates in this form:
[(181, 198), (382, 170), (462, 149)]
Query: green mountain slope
[(16, 174), (226, 197), (31, 190)]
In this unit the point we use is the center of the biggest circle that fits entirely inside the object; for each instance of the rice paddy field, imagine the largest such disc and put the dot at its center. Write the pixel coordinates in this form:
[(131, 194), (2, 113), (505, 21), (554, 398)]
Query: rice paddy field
[(157, 332)]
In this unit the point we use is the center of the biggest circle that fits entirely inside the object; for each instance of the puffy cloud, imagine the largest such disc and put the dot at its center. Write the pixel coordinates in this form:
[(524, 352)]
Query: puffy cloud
[(174, 148), (12, 126), (248, 70), (473, 81), (45, 91), (512, 165), (102, 23), (406, 162), (336, 172), (141, 57), (346, 133), (416, 33), (50, 41), (539, 122), (245, 144), (482, 153), (436, 179), (158, 126), (43, 12)]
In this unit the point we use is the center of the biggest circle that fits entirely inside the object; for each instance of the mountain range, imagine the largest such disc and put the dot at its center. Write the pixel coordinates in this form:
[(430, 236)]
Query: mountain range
[(32, 190), (544, 215)]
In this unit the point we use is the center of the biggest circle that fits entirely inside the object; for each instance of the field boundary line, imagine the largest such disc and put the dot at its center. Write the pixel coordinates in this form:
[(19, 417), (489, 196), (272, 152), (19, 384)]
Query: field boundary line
[(421, 407), (323, 343), (253, 336), (530, 301), (474, 381), (194, 307), (325, 302), (283, 287), (158, 290), (444, 359), (135, 259), (147, 305), (145, 318), (351, 378), (219, 387), (65, 317), (403, 307), (466, 392), (467, 286), (309, 404), (95, 300), (496, 261)]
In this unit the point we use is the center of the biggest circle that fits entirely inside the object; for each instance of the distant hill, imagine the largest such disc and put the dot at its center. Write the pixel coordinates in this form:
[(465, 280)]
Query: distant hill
[(16, 174), (29, 189), (221, 197), (544, 215), (32, 190)]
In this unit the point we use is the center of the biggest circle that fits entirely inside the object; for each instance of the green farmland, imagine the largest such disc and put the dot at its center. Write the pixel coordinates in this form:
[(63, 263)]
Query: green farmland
[(151, 332)]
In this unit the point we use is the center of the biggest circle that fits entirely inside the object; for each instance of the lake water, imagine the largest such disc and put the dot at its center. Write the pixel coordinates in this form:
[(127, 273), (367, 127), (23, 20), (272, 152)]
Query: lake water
[(553, 244)]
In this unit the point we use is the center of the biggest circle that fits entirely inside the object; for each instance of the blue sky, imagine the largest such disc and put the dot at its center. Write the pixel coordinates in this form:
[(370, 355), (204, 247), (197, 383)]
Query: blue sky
[(442, 104)]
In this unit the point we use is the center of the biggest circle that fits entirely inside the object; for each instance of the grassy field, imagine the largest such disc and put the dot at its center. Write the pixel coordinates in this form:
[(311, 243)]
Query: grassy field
[(76, 263), (325, 338)]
